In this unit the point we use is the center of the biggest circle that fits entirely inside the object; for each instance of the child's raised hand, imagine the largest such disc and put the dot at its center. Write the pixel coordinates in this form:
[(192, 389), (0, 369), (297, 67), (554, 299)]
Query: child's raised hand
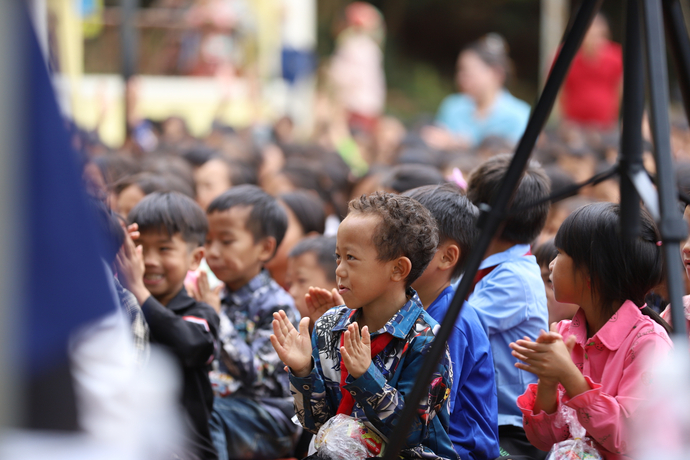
[(130, 269), (548, 357), (319, 301), (206, 294), (133, 231), (293, 348), (356, 350)]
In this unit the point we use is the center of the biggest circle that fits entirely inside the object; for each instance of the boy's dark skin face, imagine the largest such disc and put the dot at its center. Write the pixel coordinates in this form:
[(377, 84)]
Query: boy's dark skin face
[(158, 266), (231, 251), (438, 273)]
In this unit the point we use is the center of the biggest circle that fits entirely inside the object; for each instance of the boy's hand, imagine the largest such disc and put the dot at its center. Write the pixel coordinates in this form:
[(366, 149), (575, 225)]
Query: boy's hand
[(133, 231), (319, 301), (356, 350), (130, 269), (202, 291), (293, 348)]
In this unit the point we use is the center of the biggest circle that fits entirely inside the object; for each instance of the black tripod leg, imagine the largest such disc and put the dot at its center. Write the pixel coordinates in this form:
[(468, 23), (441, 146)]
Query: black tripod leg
[(630, 156), (679, 43), (673, 228), (584, 16)]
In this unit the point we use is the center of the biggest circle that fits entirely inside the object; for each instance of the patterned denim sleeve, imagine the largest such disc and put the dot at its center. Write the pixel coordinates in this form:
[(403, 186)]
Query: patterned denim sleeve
[(312, 405), (383, 403), (255, 362)]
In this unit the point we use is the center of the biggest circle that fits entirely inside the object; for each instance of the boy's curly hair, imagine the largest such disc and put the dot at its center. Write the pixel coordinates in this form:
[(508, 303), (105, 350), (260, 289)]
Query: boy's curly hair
[(407, 229)]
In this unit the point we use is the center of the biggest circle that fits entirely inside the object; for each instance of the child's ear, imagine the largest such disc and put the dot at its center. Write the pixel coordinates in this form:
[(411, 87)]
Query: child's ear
[(401, 269), (267, 249), (197, 254), (450, 254)]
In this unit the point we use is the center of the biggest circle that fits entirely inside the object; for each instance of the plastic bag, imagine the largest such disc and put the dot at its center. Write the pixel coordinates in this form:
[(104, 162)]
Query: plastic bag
[(343, 438), (577, 448)]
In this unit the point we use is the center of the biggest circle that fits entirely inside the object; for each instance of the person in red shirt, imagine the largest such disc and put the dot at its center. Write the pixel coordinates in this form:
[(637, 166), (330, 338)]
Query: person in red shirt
[(591, 91)]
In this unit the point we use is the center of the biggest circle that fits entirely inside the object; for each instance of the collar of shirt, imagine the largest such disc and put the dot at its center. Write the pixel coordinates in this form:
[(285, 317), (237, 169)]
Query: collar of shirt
[(243, 295), (181, 301), (514, 252), (398, 326), (612, 334), (443, 300)]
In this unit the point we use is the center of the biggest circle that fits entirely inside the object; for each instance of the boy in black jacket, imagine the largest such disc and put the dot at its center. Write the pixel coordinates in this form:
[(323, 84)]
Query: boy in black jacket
[(172, 231)]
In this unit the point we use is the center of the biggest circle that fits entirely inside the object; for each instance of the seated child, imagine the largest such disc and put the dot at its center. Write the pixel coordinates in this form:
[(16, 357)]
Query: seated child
[(600, 363), (473, 412), (383, 245), (509, 294), (311, 263), (253, 409), (545, 253), (172, 229)]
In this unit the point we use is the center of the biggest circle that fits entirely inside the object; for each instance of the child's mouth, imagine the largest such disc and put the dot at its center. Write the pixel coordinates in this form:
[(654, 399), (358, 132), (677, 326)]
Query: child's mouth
[(153, 279), (342, 289)]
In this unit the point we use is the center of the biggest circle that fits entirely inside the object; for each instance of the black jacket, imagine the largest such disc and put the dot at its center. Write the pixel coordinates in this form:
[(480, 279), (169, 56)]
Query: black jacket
[(189, 330)]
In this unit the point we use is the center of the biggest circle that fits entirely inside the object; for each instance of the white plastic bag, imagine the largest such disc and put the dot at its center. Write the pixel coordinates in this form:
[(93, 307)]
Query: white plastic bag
[(578, 447), (344, 438)]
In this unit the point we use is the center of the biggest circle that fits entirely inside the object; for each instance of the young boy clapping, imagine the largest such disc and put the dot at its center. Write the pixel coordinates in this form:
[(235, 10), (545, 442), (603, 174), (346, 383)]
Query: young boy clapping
[(364, 357)]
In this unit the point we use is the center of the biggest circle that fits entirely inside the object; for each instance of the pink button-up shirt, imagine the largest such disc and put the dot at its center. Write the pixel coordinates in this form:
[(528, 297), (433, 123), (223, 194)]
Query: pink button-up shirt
[(617, 364)]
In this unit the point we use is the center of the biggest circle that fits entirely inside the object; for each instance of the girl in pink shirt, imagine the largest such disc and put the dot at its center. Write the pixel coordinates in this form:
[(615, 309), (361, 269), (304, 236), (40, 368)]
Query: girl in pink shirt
[(600, 363)]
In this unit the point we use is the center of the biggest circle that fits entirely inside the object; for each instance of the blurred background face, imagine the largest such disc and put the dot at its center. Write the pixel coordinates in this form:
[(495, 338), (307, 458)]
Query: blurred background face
[(212, 179), (277, 266), (596, 36), (475, 77)]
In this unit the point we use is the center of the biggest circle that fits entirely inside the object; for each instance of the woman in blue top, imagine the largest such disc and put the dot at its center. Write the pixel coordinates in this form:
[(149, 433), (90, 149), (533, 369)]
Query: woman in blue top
[(483, 107)]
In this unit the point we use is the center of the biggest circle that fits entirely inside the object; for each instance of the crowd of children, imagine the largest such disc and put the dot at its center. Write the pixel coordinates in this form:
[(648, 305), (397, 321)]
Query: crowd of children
[(294, 282)]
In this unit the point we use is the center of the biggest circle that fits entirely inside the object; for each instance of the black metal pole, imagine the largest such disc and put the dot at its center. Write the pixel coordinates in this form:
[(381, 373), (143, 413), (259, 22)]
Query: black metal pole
[(493, 217), (630, 156), (679, 43), (129, 42), (672, 226)]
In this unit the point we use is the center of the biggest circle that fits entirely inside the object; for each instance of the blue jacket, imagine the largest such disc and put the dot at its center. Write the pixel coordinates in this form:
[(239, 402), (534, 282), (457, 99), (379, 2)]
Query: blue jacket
[(473, 412), (380, 392)]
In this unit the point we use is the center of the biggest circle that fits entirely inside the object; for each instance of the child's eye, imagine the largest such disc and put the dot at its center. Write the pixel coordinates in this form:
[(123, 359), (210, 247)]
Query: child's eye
[(165, 249), (336, 256), (350, 257), (227, 242)]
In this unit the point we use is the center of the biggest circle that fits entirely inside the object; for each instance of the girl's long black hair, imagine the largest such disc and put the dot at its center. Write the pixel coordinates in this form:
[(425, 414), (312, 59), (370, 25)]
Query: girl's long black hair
[(620, 269)]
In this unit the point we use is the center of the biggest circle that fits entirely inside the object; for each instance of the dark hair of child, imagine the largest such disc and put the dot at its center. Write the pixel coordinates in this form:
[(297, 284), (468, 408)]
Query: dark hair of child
[(170, 165), (240, 172), (323, 247), (455, 215), (402, 178), (407, 229), (266, 219), (172, 212), (115, 166), (308, 209), (546, 252), (149, 183), (487, 179), (620, 269), (198, 155)]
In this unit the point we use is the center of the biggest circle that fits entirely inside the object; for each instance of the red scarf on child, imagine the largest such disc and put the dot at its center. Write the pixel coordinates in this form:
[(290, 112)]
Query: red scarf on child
[(347, 402)]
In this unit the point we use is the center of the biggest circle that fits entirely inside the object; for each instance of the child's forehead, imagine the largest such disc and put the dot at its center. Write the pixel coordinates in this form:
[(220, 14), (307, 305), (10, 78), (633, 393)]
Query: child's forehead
[(236, 216), (160, 234), (358, 230)]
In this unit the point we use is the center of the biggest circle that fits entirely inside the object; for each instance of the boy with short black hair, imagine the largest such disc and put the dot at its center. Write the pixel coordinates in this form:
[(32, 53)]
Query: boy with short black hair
[(311, 263), (473, 412), (172, 229), (253, 408), (508, 293), (383, 245)]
